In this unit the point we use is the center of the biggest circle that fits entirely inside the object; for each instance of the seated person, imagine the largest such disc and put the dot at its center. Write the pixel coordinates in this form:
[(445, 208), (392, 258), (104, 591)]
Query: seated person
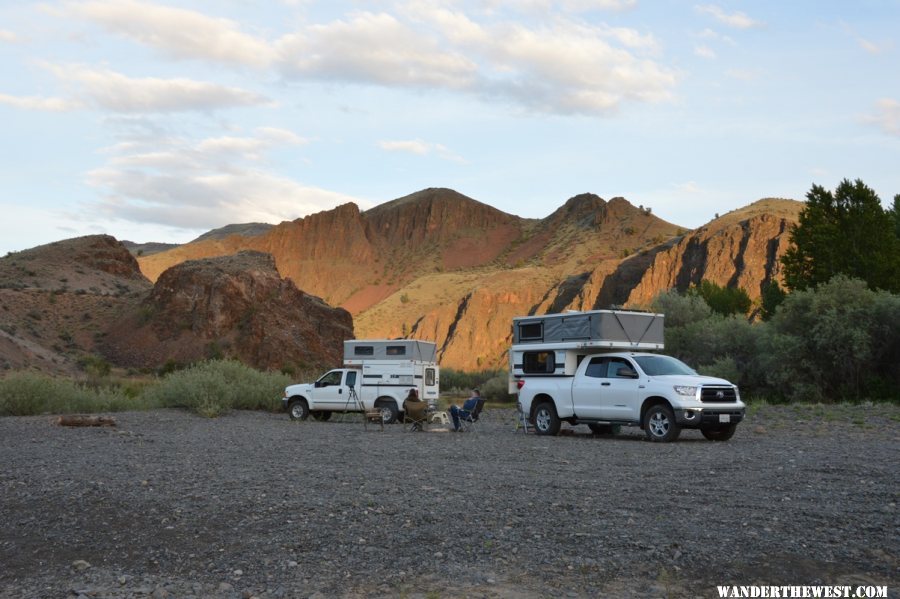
[(468, 407), (414, 407)]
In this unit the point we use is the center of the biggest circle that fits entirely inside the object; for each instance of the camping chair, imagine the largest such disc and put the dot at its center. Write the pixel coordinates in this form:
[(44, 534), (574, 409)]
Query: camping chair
[(521, 418), (467, 420), (415, 415)]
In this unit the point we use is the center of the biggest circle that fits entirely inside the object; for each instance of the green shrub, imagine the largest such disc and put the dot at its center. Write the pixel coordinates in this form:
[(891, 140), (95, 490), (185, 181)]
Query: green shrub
[(218, 386), (29, 394), (497, 389)]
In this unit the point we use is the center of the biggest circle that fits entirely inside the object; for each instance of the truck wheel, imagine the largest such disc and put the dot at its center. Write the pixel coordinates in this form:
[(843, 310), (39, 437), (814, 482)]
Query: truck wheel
[(660, 425), (546, 422), (298, 409), (322, 416), (722, 433), (604, 429), (389, 411)]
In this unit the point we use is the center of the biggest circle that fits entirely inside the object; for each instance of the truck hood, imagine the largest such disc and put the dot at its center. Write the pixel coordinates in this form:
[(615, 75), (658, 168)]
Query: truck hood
[(299, 389), (689, 380)]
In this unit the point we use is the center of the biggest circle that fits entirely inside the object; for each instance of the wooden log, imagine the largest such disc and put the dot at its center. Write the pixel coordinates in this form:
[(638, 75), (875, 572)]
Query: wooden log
[(82, 420)]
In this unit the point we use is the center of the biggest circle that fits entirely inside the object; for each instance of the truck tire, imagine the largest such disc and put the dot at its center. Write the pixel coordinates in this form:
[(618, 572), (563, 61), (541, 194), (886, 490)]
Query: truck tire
[(660, 425), (322, 415), (389, 410), (604, 429), (722, 433), (298, 409), (546, 422)]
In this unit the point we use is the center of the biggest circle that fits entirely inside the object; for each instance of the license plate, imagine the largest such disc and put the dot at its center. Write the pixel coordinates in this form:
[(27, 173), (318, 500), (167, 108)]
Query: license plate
[(724, 417)]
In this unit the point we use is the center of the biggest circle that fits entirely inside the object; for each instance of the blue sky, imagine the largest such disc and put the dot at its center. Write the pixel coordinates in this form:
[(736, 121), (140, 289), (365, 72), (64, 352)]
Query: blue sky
[(158, 121)]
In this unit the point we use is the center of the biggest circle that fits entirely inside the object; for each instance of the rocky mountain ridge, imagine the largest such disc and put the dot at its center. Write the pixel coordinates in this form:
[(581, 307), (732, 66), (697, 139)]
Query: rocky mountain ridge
[(438, 265)]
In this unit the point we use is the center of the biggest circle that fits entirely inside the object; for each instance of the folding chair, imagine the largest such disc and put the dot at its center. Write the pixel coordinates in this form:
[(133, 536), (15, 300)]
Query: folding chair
[(467, 420), (521, 419), (415, 415)]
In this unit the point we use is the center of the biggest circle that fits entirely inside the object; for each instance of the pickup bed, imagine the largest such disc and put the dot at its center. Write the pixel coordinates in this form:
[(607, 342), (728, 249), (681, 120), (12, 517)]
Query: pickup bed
[(658, 393)]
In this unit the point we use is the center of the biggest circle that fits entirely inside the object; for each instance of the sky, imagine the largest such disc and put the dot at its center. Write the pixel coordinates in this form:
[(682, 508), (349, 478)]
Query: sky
[(156, 121)]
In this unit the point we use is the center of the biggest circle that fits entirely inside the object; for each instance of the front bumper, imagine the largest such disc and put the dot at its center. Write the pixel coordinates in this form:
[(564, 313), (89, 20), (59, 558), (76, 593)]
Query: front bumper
[(706, 416), (284, 403)]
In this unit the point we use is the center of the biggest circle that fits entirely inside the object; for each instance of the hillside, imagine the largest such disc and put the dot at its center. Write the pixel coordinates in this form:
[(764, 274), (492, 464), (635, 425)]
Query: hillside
[(84, 298), (439, 265)]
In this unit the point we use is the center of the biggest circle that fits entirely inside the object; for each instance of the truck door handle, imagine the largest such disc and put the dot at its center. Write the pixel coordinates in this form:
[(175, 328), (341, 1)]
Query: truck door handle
[(340, 391), (605, 384)]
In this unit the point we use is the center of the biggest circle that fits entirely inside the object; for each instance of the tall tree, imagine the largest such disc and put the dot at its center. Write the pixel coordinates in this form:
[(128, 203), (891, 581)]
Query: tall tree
[(846, 232)]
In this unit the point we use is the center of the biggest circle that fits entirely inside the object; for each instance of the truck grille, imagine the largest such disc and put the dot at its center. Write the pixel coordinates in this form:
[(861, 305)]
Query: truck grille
[(718, 394)]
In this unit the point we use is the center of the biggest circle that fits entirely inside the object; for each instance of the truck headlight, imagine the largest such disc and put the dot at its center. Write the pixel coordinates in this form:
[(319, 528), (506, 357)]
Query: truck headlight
[(686, 390)]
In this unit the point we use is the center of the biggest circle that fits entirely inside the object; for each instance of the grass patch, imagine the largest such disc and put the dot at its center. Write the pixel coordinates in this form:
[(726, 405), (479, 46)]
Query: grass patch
[(219, 386), (31, 394)]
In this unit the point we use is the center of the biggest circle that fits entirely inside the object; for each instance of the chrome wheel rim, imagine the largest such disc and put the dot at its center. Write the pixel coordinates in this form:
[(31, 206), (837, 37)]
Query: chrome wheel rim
[(542, 420), (659, 424), (297, 411)]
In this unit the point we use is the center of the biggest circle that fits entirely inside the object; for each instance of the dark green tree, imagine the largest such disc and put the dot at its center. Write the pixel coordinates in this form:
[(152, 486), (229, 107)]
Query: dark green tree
[(772, 296), (895, 212), (846, 232), (724, 300)]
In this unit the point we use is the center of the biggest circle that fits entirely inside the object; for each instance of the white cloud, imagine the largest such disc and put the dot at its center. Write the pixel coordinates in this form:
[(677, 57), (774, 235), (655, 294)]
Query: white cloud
[(887, 116), (177, 32), (738, 20), (39, 103), (420, 148), (7, 36), (571, 6), (567, 67), (200, 184), (710, 34), (373, 48), (744, 74), (873, 47), (704, 51), (113, 91), (689, 187)]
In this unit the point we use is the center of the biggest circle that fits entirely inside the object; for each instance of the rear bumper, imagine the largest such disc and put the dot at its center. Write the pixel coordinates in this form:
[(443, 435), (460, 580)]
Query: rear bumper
[(699, 418)]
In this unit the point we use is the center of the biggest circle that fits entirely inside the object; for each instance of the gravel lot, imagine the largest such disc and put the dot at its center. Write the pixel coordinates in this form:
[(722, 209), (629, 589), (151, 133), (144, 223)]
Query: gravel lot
[(168, 504)]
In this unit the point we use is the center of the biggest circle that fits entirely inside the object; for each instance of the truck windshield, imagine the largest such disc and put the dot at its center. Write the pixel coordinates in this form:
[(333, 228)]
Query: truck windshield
[(662, 365)]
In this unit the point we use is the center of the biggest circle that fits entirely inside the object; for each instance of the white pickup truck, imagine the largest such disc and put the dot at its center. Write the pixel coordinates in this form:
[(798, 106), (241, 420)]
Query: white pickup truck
[(378, 375), (566, 368), (659, 393)]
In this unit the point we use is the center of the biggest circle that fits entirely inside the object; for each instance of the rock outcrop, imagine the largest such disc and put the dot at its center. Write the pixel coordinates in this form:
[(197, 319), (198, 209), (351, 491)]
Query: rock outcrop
[(438, 265), (234, 306)]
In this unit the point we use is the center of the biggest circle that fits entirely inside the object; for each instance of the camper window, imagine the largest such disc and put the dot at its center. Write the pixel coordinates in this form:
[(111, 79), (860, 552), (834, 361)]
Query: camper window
[(396, 350), (538, 362), (531, 331), (429, 376), (364, 350)]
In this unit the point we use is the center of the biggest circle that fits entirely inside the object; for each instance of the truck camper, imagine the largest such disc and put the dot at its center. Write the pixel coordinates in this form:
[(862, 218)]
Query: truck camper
[(597, 368), (377, 375)]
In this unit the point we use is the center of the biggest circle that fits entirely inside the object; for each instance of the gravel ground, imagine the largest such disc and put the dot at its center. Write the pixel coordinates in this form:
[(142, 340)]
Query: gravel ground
[(168, 504)]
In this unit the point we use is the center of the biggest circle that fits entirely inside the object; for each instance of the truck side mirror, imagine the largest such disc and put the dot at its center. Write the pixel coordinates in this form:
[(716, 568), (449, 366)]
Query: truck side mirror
[(318, 384), (628, 373)]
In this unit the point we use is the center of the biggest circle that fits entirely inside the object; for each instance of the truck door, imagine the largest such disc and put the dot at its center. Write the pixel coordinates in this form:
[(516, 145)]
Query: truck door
[(329, 392), (620, 398), (588, 389)]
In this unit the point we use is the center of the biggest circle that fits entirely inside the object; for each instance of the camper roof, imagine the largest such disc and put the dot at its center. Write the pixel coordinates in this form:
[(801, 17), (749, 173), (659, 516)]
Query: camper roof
[(358, 350), (593, 328)]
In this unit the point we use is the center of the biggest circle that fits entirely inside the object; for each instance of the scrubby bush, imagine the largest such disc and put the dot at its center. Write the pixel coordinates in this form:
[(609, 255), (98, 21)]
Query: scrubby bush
[(218, 386), (29, 394), (496, 389), (834, 342), (460, 382)]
